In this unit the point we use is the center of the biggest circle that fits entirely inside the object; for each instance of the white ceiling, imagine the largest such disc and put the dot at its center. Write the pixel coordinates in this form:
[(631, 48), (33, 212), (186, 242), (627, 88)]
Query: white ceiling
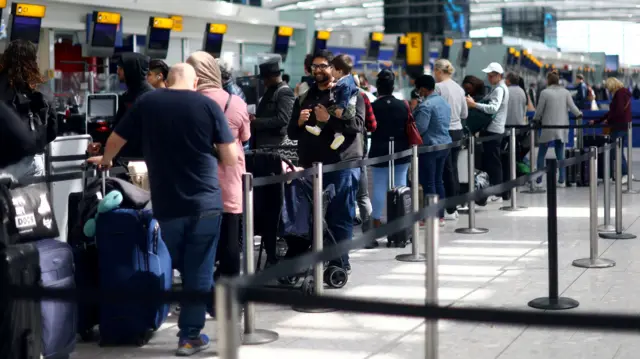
[(368, 14)]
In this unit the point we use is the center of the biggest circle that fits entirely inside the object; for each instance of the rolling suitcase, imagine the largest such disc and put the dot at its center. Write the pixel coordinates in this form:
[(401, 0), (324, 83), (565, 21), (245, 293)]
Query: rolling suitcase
[(570, 170), (132, 256), (597, 141), (398, 205), (21, 324), (58, 318)]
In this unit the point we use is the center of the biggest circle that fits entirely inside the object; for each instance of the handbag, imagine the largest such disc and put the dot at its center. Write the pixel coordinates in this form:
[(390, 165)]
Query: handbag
[(26, 214), (413, 135)]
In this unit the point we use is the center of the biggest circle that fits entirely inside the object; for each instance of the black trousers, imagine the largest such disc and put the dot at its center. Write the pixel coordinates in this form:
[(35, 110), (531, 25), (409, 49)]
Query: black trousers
[(492, 158), (450, 174), (229, 245)]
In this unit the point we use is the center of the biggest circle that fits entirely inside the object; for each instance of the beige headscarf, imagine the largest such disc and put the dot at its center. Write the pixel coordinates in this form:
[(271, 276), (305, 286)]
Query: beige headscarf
[(207, 70)]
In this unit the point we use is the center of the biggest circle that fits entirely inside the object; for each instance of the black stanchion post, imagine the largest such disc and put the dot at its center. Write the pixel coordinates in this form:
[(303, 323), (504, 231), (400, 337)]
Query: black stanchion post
[(553, 301), (513, 174), (618, 234), (415, 255), (252, 336), (471, 229)]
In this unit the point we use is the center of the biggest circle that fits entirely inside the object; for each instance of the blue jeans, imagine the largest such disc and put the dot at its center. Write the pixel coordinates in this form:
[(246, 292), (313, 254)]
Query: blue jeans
[(192, 243), (542, 153), (341, 211), (381, 186), (430, 173), (615, 135)]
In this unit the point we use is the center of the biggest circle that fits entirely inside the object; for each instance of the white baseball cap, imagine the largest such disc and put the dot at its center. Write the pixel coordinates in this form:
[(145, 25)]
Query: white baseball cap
[(494, 67)]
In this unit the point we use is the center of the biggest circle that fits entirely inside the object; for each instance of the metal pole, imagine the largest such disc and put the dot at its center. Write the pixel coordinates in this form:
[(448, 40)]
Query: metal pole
[(252, 336), (318, 219), (431, 249), (606, 174), (593, 261), (532, 160), (630, 189), (472, 187), (618, 199), (512, 169), (391, 163), (553, 301), (227, 318), (415, 255)]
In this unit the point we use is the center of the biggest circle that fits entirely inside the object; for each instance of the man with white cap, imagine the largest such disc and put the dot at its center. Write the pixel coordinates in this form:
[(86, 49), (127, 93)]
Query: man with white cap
[(495, 104)]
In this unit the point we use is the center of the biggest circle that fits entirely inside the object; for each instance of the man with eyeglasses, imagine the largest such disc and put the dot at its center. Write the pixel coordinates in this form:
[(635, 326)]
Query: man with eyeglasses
[(311, 108)]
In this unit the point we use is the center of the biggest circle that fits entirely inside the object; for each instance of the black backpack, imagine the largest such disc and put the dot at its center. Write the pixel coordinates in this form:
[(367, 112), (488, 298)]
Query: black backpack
[(35, 111)]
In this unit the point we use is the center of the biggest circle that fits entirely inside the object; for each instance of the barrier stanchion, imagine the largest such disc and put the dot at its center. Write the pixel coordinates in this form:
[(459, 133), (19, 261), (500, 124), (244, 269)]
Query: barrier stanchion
[(471, 229), (553, 301), (415, 255), (431, 248), (512, 169), (227, 318), (630, 189), (618, 234), (606, 179), (252, 336), (593, 261), (532, 162)]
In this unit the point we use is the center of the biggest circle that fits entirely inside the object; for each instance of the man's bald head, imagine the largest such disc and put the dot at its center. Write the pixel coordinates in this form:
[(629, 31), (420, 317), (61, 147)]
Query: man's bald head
[(182, 76)]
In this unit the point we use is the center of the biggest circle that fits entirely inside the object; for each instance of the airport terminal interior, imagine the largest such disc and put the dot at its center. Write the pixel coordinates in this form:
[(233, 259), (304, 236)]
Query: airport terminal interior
[(524, 243)]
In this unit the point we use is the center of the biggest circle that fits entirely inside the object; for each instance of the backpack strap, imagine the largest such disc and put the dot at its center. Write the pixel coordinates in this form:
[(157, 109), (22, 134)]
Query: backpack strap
[(226, 106)]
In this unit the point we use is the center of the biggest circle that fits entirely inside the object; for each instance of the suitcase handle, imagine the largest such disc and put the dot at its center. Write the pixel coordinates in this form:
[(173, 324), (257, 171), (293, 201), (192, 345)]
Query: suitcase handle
[(392, 164)]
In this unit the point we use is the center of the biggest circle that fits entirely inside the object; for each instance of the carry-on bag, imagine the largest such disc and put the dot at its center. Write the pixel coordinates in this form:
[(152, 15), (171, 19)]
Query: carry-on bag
[(570, 170), (58, 318), (132, 256), (398, 205), (21, 324), (594, 140)]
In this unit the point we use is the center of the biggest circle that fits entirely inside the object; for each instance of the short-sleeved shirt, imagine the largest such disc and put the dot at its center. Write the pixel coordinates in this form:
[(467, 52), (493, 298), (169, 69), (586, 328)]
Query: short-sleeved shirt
[(178, 129)]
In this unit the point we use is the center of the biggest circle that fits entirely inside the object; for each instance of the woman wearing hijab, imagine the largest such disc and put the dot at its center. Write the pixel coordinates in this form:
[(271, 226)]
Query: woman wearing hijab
[(230, 177)]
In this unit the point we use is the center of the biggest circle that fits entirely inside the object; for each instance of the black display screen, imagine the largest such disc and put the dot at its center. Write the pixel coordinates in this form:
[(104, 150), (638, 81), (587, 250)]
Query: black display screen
[(104, 35), (26, 28), (401, 52), (213, 44), (373, 52), (281, 45), (159, 39), (320, 44)]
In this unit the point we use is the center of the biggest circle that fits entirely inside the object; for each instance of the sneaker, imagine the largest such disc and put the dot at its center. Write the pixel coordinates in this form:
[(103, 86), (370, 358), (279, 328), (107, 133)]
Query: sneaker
[(188, 347), (338, 140), (625, 179), (561, 185), (442, 222), (314, 130), (495, 199), (451, 216)]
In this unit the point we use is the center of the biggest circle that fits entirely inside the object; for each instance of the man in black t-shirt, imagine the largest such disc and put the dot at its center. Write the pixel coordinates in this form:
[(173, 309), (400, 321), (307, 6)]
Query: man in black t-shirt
[(178, 129)]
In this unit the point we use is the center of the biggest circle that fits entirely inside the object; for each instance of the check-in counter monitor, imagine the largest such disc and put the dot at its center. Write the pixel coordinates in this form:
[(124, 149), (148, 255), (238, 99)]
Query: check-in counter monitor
[(158, 34), (214, 34), (281, 39), (102, 34), (446, 48), (25, 21), (320, 40), (373, 46), (400, 51), (464, 54)]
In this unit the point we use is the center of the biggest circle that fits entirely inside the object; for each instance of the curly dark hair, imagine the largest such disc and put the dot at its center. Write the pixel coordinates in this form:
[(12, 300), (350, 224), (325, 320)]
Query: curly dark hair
[(19, 60)]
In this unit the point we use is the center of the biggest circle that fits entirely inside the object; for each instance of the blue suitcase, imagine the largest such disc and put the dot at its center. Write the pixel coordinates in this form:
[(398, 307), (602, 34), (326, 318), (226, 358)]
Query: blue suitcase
[(131, 256), (58, 318)]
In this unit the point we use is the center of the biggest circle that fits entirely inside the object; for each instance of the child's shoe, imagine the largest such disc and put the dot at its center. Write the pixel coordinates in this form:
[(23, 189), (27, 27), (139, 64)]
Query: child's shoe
[(338, 140), (314, 130)]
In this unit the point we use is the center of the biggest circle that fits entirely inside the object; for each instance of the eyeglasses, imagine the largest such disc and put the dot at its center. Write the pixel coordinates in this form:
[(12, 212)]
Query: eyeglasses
[(320, 66)]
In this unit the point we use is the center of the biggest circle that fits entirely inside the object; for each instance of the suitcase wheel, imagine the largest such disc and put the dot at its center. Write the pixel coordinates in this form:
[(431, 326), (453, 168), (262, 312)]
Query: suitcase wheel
[(87, 335), (392, 244), (143, 339), (307, 286), (336, 277), (290, 280)]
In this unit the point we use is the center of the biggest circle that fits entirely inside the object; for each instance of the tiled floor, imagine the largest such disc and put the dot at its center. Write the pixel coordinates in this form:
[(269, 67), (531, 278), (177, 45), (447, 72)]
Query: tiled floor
[(506, 267)]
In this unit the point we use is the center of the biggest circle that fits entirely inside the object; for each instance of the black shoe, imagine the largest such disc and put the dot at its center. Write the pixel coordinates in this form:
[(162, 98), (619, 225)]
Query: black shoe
[(373, 244)]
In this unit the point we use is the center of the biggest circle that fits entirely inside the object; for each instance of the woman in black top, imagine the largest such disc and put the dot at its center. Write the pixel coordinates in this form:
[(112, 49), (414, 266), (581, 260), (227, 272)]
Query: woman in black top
[(391, 115)]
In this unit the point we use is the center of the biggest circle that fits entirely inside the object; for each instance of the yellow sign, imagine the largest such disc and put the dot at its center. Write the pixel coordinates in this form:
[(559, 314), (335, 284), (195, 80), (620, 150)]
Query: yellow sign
[(517, 54), (512, 50), (162, 23), (218, 28), (3, 4), (323, 35), (468, 45), (403, 40), (414, 49), (108, 18), (285, 31), (448, 42), (29, 10), (377, 36), (177, 23)]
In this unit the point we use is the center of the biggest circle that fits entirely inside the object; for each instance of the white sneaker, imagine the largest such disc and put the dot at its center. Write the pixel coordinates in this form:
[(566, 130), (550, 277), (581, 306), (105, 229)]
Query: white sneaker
[(451, 216), (495, 199), (314, 130), (338, 140), (625, 179), (442, 222), (561, 185)]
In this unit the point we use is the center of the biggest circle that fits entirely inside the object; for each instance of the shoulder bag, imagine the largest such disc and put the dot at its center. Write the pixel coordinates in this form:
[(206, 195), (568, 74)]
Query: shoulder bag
[(411, 129)]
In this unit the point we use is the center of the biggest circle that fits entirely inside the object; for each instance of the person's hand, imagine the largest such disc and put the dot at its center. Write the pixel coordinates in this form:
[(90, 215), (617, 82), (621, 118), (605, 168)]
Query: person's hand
[(592, 122), (100, 162), (322, 115), (606, 122), (470, 102), (252, 116), (94, 148), (304, 117)]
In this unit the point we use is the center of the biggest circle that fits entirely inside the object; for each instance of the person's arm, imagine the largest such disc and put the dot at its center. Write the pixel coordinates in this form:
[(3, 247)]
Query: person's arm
[(298, 119), (244, 131), (284, 104), (572, 106), (369, 118), (542, 103), (52, 123), (128, 128), (223, 140), (464, 108), (352, 126), (422, 114), (495, 100)]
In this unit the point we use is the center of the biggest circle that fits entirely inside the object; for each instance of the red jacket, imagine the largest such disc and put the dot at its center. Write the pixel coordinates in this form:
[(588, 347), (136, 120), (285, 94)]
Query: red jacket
[(369, 118), (619, 114)]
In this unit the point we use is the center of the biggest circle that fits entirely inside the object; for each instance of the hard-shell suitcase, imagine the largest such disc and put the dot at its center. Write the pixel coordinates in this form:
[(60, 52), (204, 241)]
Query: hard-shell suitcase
[(21, 324), (58, 318), (398, 205), (132, 256)]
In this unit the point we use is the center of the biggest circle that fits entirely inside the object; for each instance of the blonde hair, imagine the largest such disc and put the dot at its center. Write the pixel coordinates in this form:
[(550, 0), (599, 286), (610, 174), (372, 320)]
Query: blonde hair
[(445, 66), (613, 84)]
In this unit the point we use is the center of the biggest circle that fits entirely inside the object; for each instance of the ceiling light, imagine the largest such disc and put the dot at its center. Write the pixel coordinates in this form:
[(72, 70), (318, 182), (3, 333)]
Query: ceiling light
[(373, 4)]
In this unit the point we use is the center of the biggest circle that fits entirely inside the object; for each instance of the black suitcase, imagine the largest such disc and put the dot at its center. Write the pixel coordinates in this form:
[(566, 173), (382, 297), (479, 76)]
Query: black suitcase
[(597, 141), (398, 205), (570, 170), (582, 169), (21, 324)]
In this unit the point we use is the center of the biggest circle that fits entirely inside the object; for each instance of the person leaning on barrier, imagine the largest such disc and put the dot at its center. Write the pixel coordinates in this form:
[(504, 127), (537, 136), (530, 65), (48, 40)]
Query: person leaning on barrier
[(554, 104), (433, 119), (185, 190), (497, 103), (311, 108), (19, 79), (618, 118)]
